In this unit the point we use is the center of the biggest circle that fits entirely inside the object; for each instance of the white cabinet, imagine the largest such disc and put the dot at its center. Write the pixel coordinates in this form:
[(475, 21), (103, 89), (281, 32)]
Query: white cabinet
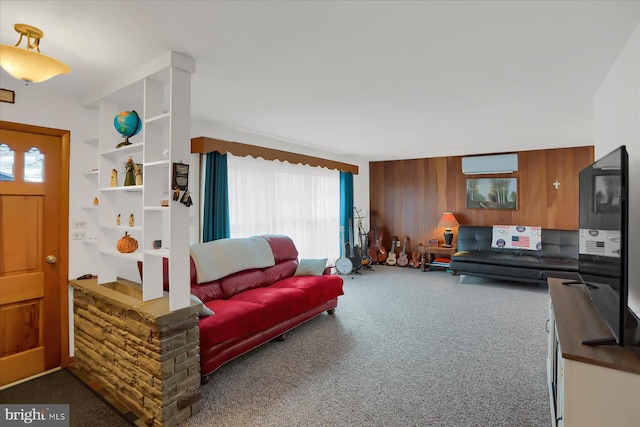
[(160, 94), (588, 386)]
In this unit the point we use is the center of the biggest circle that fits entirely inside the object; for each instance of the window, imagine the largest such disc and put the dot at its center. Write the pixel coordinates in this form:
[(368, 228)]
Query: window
[(7, 159), (273, 197), (33, 165)]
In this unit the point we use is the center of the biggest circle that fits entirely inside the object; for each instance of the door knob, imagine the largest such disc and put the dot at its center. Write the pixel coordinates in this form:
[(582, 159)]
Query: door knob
[(51, 259)]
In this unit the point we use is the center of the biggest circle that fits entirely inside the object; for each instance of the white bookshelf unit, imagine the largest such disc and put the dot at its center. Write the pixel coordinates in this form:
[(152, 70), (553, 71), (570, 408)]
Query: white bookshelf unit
[(160, 93)]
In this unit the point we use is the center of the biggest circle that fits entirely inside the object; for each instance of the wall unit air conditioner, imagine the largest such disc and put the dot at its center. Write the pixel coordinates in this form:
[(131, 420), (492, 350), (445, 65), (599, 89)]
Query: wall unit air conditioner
[(499, 163)]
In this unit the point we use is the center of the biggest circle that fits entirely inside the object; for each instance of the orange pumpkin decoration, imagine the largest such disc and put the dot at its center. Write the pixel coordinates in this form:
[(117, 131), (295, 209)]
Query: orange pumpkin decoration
[(127, 244)]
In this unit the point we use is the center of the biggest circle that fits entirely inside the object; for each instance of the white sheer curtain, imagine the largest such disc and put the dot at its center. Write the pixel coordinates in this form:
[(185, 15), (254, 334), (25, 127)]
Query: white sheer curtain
[(273, 197)]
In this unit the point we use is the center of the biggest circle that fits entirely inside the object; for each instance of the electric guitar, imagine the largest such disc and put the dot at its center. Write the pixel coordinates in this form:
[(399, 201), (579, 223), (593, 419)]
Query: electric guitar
[(391, 257), (403, 259), (362, 239), (353, 250)]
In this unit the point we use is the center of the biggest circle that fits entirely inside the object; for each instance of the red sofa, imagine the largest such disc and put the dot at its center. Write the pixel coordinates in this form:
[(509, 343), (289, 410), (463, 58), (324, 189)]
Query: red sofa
[(254, 306)]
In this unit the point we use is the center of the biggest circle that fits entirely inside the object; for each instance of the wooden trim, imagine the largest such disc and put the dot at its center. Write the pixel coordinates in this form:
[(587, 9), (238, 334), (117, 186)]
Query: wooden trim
[(18, 366), (31, 287), (65, 154), (204, 144), (65, 147)]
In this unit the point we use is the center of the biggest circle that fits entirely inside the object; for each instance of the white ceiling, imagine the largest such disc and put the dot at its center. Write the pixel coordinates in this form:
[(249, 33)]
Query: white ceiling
[(383, 79)]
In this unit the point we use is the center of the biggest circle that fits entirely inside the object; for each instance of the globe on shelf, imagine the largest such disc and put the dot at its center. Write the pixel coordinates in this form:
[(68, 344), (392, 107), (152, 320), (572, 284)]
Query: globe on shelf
[(128, 124)]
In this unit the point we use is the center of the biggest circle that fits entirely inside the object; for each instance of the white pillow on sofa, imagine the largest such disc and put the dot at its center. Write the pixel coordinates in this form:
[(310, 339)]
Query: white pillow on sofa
[(311, 267)]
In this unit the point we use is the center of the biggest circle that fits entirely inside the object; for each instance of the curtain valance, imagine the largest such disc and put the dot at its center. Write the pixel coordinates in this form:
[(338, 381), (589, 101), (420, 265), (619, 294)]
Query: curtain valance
[(204, 144)]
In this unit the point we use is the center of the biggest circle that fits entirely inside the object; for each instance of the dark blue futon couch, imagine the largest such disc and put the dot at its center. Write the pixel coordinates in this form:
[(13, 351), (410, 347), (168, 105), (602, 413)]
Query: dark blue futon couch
[(475, 256)]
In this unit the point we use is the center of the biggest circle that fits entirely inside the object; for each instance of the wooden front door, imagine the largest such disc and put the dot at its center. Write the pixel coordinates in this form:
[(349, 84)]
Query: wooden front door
[(33, 250)]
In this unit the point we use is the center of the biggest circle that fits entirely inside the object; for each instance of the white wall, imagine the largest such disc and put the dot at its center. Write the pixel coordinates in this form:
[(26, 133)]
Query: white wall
[(35, 105), (616, 106)]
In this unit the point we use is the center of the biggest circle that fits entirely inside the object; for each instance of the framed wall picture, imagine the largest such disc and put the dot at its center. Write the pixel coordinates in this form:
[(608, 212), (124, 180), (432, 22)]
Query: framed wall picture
[(492, 193), (180, 177), (7, 95)]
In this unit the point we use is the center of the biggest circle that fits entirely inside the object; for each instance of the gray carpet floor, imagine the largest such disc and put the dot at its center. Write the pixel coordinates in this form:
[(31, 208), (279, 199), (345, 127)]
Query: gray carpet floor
[(405, 348), (86, 409)]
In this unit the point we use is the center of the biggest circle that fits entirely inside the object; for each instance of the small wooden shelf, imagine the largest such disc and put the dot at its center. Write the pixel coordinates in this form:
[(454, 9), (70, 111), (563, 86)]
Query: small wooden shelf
[(433, 252)]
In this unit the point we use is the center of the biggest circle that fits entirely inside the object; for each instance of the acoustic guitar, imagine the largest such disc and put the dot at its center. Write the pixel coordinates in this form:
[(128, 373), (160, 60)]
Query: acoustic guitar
[(403, 259), (377, 251), (391, 256)]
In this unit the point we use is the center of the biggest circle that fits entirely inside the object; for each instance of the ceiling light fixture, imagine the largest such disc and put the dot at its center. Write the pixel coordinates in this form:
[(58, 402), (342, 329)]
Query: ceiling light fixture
[(29, 64)]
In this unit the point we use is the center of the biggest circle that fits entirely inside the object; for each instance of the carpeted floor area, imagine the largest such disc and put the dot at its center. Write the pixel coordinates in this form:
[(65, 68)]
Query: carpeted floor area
[(405, 348), (86, 408)]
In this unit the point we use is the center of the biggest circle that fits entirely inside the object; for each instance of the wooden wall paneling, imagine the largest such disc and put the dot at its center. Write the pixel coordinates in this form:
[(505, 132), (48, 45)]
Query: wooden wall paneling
[(554, 172), (458, 192), (561, 168), (398, 220), (387, 214), (376, 205), (423, 201), (532, 209), (409, 196), (410, 169), (444, 189)]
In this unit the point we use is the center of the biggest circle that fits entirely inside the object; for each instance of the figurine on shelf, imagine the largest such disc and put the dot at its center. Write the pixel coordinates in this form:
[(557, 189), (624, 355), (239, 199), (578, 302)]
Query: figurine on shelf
[(95, 201), (129, 176), (114, 178), (131, 220), (118, 220), (138, 170)]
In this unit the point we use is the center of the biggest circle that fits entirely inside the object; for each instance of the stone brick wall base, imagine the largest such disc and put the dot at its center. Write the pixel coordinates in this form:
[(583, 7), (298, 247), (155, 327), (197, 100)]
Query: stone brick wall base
[(143, 353)]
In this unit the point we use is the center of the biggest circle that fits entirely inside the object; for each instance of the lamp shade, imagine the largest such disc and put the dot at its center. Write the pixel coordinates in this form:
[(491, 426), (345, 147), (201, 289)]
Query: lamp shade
[(29, 64), (448, 220)]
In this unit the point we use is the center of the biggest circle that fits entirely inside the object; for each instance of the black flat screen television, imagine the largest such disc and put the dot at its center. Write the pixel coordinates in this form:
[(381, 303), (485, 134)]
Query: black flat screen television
[(603, 260)]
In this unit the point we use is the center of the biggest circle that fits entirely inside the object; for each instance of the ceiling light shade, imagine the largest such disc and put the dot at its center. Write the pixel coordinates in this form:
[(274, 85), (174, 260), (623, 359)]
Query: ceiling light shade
[(28, 63)]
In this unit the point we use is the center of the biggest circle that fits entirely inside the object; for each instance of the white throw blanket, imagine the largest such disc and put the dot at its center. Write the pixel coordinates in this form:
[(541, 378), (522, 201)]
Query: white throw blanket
[(219, 258), (517, 237)]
